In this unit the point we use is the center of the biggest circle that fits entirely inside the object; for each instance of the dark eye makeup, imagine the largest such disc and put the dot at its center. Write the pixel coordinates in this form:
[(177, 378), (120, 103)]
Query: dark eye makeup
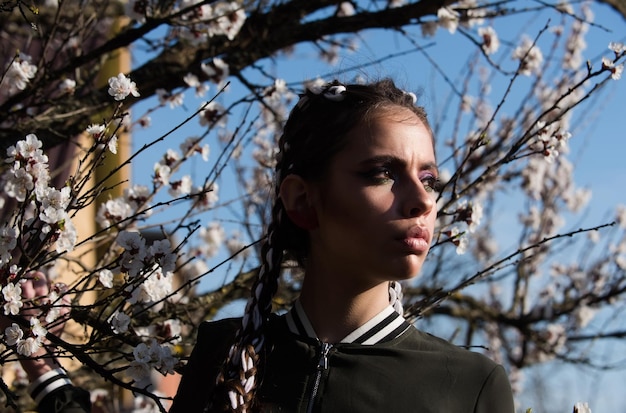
[(390, 172)]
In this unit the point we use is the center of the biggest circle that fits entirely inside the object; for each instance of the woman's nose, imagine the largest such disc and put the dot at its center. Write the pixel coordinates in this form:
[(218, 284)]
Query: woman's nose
[(418, 200)]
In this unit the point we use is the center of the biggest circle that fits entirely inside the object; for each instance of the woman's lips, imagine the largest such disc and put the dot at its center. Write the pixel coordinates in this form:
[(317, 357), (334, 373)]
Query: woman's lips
[(416, 239)]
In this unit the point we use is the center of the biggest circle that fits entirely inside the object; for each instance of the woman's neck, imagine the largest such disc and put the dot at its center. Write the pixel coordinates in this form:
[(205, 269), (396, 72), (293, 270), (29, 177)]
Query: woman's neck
[(335, 309)]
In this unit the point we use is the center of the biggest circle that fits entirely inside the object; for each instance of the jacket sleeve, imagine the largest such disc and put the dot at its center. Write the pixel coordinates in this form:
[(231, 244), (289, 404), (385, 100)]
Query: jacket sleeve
[(68, 399), (54, 393), (198, 379), (496, 395)]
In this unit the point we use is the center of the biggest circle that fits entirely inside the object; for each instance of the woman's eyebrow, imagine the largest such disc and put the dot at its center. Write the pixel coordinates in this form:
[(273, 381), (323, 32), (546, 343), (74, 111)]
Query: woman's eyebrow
[(383, 159), (394, 160), (431, 166)]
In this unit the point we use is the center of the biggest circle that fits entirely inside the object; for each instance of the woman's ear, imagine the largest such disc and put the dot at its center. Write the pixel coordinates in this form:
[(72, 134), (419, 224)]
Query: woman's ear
[(296, 195)]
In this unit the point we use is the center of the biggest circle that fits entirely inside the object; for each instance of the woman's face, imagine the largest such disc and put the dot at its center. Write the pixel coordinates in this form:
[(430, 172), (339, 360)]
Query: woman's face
[(376, 207)]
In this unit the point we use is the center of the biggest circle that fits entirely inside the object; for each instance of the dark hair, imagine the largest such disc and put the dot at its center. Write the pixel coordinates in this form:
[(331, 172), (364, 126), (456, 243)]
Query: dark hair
[(315, 131)]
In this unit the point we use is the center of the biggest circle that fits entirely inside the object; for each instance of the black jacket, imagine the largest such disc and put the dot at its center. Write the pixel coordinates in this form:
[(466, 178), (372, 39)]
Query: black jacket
[(404, 370)]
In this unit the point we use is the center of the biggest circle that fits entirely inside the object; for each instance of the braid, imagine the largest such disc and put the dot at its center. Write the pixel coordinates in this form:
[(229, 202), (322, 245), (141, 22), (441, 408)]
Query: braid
[(237, 383), (395, 296)]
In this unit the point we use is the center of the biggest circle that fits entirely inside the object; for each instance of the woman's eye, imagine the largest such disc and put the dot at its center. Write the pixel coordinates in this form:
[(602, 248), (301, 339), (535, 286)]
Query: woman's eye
[(431, 184), (380, 175)]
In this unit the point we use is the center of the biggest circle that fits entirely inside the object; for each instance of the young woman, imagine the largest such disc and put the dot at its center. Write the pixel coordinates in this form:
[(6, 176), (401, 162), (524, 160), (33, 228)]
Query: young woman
[(356, 187)]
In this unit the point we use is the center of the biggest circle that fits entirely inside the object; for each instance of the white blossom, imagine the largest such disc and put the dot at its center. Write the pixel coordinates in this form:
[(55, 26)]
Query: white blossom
[(556, 336), (132, 241), (156, 286), (66, 237), (618, 48), (171, 157), (529, 55), (467, 102), (161, 173), (584, 314), (53, 204), (213, 114), (121, 86), (491, 43), (217, 70), (192, 143), (448, 19), (138, 370), (235, 245), (144, 404), (171, 330), (173, 99), (105, 277), (462, 244), (98, 395), (19, 74), (132, 259), (13, 334), (37, 329), (227, 19), (345, 9), (67, 86), (119, 322), (151, 355), (28, 346), (534, 177), (145, 121), (142, 353), (55, 311), (136, 195), (577, 199), (458, 238), (96, 131), (575, 46), (213, 236), (265, 152), (475, 14), (207, 196), (112, 144), (193, 81), (12, 294), (19, 184), (113, 211), (8, 241), (160, 247), (181, 187), (166, 361), (204, 152), (30, 147), (581, 407), (168, 262), (471, 213), (616, 71)]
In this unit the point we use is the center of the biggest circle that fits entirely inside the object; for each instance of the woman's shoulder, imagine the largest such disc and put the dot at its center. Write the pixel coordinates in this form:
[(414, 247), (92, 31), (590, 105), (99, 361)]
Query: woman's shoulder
[(462, 356), (214, 338), (471, 372), (226, 327)]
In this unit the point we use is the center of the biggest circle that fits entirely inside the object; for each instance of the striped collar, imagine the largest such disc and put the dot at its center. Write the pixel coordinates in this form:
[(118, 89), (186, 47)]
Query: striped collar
[(385, 326)]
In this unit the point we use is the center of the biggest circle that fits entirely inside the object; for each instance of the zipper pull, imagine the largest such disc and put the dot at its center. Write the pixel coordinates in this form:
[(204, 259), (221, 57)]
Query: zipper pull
[(323, 361), (322, 364)]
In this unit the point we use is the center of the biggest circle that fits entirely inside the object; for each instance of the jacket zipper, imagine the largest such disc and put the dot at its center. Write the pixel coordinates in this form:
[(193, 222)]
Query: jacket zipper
[(322, 364)]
